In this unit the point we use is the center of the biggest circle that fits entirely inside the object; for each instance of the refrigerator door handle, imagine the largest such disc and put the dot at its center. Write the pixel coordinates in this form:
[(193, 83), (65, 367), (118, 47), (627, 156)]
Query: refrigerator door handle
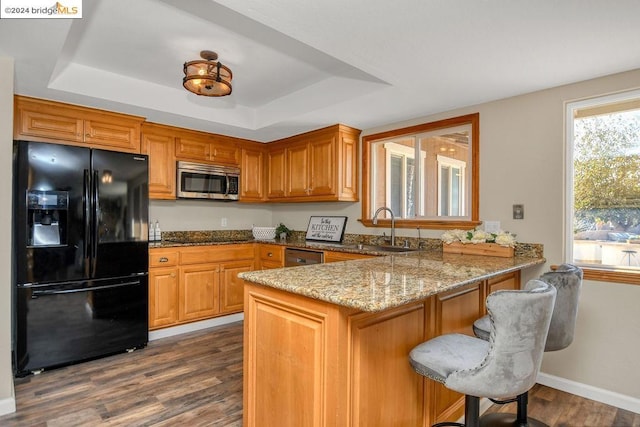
[(37, 293), (86, 204), (96, 221)]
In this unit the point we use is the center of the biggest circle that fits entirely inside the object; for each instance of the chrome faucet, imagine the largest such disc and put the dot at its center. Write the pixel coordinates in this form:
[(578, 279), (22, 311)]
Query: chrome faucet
[(393, 222)]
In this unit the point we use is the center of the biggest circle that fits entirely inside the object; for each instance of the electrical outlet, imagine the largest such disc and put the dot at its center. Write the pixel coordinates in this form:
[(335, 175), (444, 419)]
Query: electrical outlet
[(223, 222), (518, 211), (492, 226)]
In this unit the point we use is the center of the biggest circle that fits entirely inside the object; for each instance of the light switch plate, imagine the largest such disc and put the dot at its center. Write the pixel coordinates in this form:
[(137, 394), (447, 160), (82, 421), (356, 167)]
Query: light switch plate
[(492, 226)]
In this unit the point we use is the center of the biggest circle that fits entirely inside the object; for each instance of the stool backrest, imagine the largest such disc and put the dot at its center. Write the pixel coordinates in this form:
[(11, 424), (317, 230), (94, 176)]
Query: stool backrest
[(520, 322), (567, 279)]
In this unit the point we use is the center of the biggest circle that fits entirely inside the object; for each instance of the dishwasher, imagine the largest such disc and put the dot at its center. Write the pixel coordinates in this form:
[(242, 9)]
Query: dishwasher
[(294, 257)]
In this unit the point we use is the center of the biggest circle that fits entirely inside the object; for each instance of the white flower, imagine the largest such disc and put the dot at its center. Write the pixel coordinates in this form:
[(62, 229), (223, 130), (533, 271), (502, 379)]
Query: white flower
[(481, 236), (504, 238), (449, 237), (461, 235)]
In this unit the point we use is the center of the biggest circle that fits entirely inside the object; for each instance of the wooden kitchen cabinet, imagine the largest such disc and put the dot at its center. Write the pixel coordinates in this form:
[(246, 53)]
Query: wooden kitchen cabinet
[(381, 344), (455, 312), (252, 171), (163, 287), (158, 143), (298, 173), (276, 172), (311, 168), (270, 256), (320, 165), (205, 147), (232, 287), (509, 281), (50, 121), (192, 283), (323, 166), (199, 291), (163, 296), (335, 365)]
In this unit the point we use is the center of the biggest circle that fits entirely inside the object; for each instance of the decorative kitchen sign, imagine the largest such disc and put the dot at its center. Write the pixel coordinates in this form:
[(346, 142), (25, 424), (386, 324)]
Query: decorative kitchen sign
[(326, 228)]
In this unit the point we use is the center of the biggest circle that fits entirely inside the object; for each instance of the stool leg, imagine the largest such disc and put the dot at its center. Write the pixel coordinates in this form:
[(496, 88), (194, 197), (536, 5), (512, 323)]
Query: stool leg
[(521, 417), (471, 411)]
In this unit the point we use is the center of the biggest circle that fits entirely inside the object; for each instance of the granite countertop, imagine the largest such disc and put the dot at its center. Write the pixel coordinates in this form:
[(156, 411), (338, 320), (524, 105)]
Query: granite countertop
[(385, 282)]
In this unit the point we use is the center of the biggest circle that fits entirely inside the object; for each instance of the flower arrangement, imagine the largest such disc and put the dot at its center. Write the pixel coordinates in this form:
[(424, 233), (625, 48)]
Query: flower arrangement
[(502, 238)]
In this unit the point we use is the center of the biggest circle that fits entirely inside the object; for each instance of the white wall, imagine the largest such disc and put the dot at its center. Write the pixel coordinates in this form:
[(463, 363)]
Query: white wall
[(7, 400), (194, 215)]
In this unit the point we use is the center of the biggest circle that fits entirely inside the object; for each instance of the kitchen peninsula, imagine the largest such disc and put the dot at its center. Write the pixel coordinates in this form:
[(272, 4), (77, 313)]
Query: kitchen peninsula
[(327, 344)]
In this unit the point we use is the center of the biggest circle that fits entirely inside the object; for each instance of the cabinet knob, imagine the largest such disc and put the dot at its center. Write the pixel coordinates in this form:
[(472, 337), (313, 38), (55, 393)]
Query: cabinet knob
[(163, 259), (270, 254), (173, 274)]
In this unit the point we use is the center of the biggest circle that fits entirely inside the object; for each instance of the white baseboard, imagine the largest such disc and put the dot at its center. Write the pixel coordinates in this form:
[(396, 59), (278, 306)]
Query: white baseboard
[(590, 392), (195, 326), (7, 406)]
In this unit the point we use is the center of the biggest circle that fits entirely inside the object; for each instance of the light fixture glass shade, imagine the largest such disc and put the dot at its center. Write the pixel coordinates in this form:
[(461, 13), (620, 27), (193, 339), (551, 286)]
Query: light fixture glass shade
[(207, 77)]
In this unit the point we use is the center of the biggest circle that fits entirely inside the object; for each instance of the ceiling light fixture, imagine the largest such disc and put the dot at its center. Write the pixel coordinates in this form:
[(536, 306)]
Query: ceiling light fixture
[(207, 76)]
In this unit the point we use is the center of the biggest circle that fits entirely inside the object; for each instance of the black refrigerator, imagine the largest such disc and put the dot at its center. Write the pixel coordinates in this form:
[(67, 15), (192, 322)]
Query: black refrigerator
[(80, 254)]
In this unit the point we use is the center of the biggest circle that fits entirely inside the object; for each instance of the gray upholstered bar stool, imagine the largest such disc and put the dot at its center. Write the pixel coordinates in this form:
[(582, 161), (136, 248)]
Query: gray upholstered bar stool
[(507, 364), (567, 279)]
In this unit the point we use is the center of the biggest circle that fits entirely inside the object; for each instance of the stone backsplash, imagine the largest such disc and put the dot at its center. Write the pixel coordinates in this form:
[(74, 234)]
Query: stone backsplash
[(534, 250)]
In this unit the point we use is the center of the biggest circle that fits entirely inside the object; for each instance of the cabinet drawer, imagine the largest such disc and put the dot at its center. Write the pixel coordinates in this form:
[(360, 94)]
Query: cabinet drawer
[(218, 253), (163, 257), (271, 253)]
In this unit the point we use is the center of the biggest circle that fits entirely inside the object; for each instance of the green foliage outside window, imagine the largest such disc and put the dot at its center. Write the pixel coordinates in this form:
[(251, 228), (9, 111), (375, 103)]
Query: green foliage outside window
[(607, 171)]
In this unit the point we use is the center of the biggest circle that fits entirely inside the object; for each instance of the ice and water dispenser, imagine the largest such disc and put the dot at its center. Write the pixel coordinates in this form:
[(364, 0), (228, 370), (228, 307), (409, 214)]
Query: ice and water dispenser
[(47, 217)]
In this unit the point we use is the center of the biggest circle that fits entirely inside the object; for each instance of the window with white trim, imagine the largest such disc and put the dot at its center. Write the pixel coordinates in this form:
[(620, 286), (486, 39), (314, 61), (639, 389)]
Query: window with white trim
[(603, 185)]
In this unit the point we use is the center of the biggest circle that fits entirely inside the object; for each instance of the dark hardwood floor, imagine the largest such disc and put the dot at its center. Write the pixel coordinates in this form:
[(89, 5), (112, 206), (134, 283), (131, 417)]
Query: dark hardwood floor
[(559, 409), (196, 380), (189, 380)]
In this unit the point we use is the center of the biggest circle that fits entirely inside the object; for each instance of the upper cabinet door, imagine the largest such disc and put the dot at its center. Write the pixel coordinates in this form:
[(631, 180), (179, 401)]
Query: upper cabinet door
[(298, 174), (192, 148), (112, 134), (48, 126), (162, 165), (50, 121), (224, 151), (276, 173), (252, 170), (322, 162)]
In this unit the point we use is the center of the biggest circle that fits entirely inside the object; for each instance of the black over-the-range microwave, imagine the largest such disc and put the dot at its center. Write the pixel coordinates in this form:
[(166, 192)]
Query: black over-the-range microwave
[(202, 181)]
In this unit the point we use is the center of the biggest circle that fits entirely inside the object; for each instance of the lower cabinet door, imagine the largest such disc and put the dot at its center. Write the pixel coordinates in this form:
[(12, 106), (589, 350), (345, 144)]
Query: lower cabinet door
[(199, 290), (163, 297), (231, 287)]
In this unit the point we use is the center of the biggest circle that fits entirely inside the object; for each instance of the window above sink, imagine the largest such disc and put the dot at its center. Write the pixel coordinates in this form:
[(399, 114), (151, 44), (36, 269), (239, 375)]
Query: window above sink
[(427, 174)]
